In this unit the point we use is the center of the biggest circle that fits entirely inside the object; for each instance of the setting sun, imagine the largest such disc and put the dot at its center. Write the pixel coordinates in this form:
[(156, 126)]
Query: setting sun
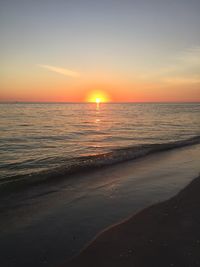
[(97, 97), (98, 100)]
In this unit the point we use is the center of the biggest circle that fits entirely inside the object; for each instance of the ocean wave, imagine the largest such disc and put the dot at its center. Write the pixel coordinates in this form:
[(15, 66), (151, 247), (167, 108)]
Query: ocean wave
[(85, 163)]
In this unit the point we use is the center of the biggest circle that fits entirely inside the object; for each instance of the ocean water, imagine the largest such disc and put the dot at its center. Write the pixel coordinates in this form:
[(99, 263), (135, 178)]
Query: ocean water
[(54, 138)]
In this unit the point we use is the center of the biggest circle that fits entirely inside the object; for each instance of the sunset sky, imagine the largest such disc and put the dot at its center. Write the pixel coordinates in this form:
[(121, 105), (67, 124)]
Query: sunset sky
[(131, 50)]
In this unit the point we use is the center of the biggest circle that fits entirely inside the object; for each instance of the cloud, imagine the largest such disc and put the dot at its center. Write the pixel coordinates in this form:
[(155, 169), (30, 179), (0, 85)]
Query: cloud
[(59, 70), (180, 80), (191, 56), (184, 69)]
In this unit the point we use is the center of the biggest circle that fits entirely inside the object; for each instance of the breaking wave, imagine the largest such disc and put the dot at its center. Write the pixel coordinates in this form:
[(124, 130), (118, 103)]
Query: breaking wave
[(86, 163)]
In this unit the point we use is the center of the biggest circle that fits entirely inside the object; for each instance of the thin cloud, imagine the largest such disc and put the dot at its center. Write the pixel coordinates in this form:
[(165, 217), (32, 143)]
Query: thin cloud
[(59, 70), (191, 56), (179, 80), (185, 68)]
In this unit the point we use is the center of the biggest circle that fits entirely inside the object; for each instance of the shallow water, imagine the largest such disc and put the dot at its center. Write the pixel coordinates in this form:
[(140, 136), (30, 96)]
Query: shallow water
[(42, 137), (49, 223)]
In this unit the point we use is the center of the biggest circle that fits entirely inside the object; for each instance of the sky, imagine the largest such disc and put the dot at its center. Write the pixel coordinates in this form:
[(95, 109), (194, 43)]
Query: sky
[(131, 50)]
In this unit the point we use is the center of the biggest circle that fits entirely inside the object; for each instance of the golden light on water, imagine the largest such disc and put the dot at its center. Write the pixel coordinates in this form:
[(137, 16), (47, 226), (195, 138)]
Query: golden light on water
[(97, 97)]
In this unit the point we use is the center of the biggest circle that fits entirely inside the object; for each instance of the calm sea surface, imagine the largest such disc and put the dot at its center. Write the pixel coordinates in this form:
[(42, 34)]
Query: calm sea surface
[(41, 137)]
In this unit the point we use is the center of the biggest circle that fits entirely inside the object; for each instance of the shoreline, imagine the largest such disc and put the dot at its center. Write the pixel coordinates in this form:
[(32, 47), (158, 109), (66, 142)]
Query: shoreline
[(164, 234), (91, 163), (48, 224)]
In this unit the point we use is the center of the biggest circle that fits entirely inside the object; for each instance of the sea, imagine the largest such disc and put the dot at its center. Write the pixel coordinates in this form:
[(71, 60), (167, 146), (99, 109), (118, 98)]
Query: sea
[(50, 140)]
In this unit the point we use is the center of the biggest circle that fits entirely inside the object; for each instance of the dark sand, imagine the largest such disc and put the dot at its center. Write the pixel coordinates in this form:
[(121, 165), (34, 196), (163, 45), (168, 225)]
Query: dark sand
[(165, 234)]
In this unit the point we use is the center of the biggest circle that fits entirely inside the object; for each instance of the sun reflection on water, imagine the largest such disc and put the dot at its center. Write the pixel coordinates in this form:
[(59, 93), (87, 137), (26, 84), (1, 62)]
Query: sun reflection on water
[(98, 106)]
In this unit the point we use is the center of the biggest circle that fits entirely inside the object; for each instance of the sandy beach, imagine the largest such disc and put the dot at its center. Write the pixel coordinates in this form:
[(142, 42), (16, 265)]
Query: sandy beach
[(165, 234), (48, 224)]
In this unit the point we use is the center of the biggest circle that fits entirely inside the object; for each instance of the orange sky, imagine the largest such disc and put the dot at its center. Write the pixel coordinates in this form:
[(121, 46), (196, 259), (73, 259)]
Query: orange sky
[(57, 88), (132, 51)]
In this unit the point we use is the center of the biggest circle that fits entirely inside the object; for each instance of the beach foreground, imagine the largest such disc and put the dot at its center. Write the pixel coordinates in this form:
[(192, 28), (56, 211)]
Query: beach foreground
[(165, 234), (49, 223)]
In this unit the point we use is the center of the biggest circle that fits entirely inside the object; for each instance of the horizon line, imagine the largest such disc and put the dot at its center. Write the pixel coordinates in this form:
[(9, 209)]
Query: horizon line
[(85, 102)]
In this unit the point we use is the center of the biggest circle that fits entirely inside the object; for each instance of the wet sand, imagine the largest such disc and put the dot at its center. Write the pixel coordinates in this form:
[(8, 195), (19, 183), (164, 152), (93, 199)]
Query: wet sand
[(165, 234), (50, 223)]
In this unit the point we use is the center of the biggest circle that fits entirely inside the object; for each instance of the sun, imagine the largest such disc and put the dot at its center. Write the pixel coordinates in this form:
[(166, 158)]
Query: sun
[(98, 100), (97, 97)]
